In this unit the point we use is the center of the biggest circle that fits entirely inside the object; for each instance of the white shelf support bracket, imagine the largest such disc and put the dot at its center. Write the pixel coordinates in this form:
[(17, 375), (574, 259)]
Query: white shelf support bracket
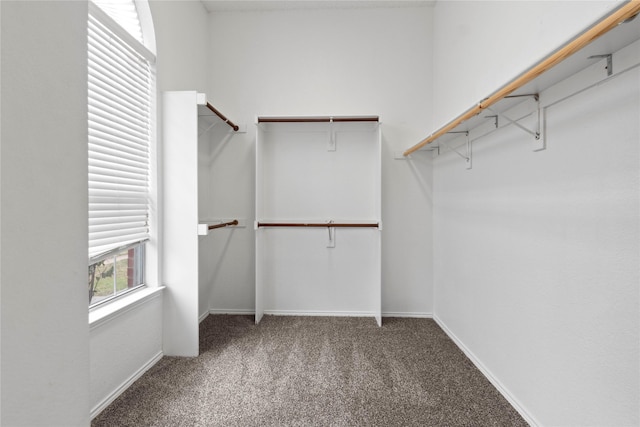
[(609, 57), (540, 142), (539, 125), (332, 136), (332, 236), (207, 129), (397, 155), (495, 117), (466, 157)]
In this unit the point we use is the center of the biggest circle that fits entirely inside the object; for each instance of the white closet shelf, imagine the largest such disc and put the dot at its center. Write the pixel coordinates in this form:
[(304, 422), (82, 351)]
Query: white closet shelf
[(317, 119), (595, 42), (328, 224)]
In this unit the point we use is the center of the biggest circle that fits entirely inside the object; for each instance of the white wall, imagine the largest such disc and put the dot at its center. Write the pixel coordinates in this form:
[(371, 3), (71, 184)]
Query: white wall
[(326, 62), (123, 346), (182, 41), (134, 338), (0, 230), (536, 260), (45, 334)]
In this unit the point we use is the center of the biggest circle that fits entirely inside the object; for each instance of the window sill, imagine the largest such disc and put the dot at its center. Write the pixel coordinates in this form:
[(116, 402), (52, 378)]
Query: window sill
[(100, 315)]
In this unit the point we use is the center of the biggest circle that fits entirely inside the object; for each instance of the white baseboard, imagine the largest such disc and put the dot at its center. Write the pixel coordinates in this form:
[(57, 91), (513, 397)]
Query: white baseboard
[(203, 316), (125, 385), (235, 311), (416, 315), (487, 373), (294, 312), (319, 313)]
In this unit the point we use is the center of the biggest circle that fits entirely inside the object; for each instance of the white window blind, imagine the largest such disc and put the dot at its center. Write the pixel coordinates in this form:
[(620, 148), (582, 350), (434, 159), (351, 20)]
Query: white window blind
[(123, 12), (119, 140)]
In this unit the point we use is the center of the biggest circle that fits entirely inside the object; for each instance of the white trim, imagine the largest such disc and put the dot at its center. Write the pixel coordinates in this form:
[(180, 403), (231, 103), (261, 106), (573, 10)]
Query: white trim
[(203, 316), (106, 313), (320, 313), (235, 311), (416, 315), (487, 373), (125, 385), (146, 24)]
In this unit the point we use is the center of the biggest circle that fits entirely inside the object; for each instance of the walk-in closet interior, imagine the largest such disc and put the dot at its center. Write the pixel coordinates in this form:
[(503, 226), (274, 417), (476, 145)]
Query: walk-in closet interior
[(471, 168)]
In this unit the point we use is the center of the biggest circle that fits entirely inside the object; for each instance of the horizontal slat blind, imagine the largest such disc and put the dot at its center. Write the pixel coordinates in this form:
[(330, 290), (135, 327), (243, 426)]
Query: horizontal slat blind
[(124, 13), (119, 141)]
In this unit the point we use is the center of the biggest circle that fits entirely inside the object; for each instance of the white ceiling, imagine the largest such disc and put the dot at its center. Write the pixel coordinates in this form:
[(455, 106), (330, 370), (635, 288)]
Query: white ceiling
[(239, 5)]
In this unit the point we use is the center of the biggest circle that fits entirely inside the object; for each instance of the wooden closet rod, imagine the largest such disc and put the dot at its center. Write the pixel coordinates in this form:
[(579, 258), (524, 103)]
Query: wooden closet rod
[(222, 117), (317, 224), (224, 224), (317, 119), (624, 12)]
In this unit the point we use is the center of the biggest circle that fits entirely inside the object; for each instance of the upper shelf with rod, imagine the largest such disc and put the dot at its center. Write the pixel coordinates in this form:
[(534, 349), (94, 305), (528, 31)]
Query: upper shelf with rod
[(318, 119), (329, 224), (557, 66)]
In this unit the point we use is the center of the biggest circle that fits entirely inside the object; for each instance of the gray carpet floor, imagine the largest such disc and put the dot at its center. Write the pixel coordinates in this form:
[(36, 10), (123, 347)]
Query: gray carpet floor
[(314, 371)]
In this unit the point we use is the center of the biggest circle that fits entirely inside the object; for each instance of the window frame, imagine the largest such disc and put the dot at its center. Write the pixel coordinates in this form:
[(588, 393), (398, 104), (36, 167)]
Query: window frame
[(149, 247), (138, 259)]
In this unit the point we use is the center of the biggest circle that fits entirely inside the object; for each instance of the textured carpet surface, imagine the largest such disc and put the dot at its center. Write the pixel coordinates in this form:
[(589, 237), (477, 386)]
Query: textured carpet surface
[(314, 371)]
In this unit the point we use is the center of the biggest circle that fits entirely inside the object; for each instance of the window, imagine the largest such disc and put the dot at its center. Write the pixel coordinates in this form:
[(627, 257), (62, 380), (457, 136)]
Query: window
[(120, 96), (116, 272)]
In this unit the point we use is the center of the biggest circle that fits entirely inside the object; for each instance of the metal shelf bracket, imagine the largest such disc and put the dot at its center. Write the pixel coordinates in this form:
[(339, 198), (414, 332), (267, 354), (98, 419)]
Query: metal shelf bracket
[(466, 157), (539, 124), (609, 66)]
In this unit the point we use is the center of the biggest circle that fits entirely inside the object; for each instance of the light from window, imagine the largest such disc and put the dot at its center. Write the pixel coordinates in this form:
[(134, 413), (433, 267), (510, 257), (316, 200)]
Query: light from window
[(124, 12)]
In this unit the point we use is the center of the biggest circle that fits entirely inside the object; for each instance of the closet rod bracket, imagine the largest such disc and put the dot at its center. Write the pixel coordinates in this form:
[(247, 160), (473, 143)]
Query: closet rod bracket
[(496, 120), (332, 136), (539, 143), (332, 235), (535, 96), (609, 57), (466, 157)]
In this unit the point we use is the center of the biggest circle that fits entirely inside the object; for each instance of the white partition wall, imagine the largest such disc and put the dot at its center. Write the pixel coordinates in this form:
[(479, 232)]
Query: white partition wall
[(180, 223), (312, 173), (187, 136)]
